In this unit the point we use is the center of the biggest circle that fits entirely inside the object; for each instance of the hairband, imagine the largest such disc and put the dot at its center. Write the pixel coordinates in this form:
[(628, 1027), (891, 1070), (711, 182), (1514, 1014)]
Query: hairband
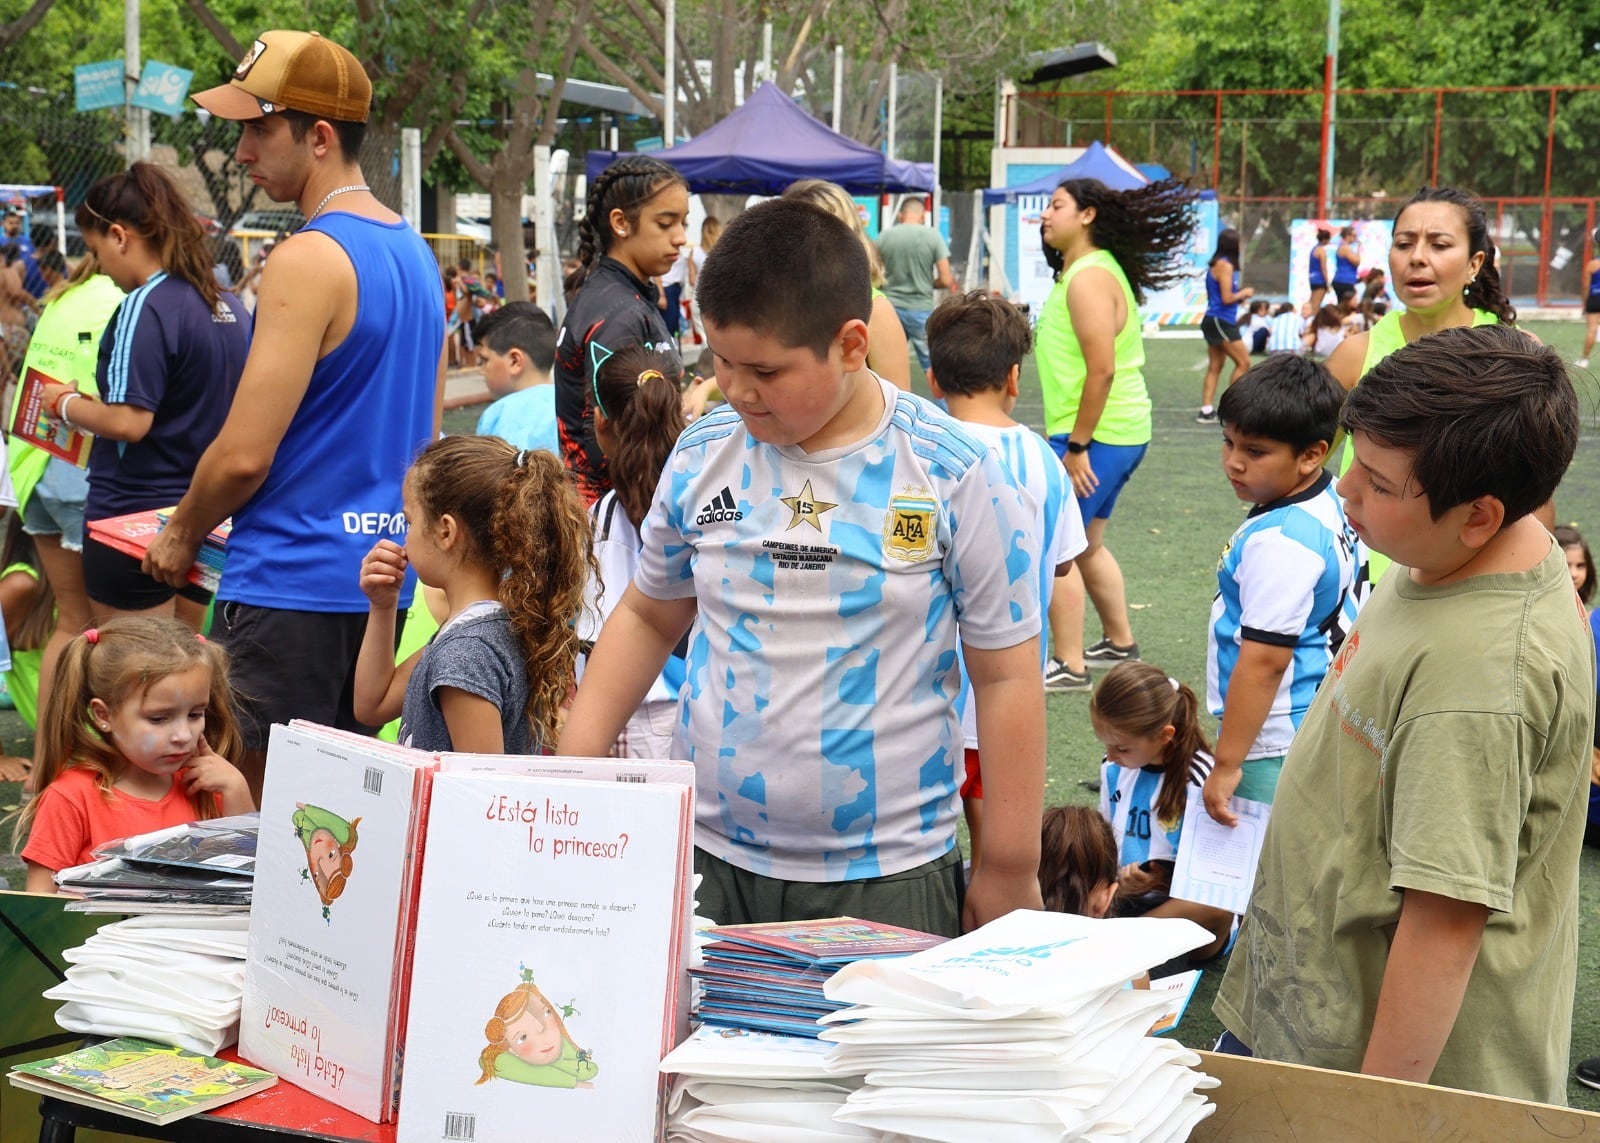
[(199, 638), (1173, 683), (92, 636), (522, 459), (649, 375), (96, 213)]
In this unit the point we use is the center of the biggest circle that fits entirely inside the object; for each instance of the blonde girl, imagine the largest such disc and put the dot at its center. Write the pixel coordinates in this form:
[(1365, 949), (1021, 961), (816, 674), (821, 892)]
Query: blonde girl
[(1155, 750), (637, 419), (135, 736), (888, 352), (500, 531)]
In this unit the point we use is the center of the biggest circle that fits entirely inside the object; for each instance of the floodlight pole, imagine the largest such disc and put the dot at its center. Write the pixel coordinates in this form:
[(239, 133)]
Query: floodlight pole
[(838, 85), (1330, 79), (136, 120), (938, 130), (894, 107), (669, 93)]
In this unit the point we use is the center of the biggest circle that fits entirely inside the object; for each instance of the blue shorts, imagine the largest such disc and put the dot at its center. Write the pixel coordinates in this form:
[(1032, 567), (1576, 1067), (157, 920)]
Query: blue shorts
[(55, 507), (1113, 465), (915, 323)]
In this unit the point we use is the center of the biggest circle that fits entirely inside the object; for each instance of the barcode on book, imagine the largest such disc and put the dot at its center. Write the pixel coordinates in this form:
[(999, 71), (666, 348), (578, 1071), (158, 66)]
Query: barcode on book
[(373, 784), (458, 1125), (633, 778)]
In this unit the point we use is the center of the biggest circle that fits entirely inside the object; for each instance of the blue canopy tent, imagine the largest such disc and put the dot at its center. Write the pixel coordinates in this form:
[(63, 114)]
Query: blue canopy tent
[(771, 141), (1096, 162)]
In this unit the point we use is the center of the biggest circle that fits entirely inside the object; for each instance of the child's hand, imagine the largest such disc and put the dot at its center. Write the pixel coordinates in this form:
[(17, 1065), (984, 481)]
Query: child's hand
[(383, 570), (1219, 788), (210, 773)]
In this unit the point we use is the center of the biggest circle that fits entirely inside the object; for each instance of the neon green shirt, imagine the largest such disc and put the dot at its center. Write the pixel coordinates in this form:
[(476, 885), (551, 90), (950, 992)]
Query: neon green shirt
[(1382, 340), (65, 345), (22, 680), (1062, 370)]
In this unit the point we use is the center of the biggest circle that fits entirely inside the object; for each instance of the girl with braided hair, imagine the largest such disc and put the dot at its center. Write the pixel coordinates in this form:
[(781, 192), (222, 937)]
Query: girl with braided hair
[(633, 231), (501, 531)]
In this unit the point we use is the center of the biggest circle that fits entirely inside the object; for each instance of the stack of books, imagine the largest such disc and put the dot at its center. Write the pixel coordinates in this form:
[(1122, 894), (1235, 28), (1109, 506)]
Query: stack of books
[(772, 977), (133, 534), (153, 1083), (201, 868), (1023, 1029), (173, 978), (733, 1084)]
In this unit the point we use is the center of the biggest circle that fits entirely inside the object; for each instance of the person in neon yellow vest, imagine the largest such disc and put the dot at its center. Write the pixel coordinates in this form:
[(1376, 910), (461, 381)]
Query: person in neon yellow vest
[(1107, 249), (1442, 269)]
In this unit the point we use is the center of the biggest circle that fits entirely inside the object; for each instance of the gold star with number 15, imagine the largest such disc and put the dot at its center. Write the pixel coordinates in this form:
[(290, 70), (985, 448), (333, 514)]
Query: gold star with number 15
[(806, 508)]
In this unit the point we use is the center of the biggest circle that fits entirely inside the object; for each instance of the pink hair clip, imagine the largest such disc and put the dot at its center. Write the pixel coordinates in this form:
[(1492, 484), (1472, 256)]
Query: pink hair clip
[(92, 636), (199, 638)]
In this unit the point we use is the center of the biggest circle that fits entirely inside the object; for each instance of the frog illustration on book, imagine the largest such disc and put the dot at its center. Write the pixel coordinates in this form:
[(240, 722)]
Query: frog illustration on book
[(529, 1042), (329, 841)]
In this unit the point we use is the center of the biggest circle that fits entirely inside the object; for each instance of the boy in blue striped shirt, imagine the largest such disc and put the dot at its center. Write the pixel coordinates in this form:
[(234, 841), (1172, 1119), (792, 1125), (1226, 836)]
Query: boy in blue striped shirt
[(976, 344), (1284, 583)]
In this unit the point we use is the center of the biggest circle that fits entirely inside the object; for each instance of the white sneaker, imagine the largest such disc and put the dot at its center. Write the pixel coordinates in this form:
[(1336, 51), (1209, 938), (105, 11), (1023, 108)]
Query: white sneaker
[(1582, 363)]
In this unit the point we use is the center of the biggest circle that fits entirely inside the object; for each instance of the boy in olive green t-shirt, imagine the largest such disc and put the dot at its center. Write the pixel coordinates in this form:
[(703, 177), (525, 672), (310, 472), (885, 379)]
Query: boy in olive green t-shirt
[(1415, 911)]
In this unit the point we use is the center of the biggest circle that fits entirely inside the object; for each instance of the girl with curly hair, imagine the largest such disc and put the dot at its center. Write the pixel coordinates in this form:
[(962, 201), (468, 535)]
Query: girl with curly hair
[(502, 533)]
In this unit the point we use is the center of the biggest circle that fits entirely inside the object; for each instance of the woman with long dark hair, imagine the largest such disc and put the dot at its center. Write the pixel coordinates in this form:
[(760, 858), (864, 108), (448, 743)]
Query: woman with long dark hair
[(1220, 326), (1107, 248)]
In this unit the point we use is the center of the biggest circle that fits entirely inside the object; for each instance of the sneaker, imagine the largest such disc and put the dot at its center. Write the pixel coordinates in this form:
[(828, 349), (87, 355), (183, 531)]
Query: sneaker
[(1582, 363), (1062, 679), (1107, 654), (1206, 416), (1588, 1072)]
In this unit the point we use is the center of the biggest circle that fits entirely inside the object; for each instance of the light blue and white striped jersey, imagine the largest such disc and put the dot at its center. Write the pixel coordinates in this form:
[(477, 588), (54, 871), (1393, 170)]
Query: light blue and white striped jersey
[(1285, 578), (820, 703), (1057, 524), (1128, 796), (1287, 330)]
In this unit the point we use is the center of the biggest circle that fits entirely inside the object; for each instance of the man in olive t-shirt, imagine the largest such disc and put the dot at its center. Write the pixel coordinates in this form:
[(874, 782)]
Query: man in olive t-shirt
[(917, 262)]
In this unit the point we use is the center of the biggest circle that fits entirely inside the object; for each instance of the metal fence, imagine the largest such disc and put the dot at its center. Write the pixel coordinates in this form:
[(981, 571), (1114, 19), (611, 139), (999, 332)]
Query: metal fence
[(1527, 151)]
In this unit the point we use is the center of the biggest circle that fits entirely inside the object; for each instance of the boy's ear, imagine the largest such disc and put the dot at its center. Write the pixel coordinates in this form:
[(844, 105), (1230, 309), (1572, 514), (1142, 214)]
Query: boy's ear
[(1014, 381), (853, 343), (516, 359), (933, 384), (1485, 516), (1311, 457)]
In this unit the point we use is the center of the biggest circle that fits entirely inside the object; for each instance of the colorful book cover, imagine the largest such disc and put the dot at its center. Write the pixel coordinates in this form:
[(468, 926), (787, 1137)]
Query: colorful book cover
[(548, 929), (1179, 990), (34, 424), (133, 534), (829, 940), (335, 863), (155, 1083)]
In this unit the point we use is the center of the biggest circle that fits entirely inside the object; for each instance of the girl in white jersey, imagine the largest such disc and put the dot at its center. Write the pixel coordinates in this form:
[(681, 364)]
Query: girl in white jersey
[(1155, 750), (637, 418)]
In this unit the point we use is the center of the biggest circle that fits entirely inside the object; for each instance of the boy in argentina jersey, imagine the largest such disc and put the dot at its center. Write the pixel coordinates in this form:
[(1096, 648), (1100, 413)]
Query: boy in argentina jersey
[(1285, 595), (823, 533)]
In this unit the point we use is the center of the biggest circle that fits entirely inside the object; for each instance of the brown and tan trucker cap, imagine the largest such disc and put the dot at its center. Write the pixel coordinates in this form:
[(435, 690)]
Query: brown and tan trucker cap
[(293, 71)]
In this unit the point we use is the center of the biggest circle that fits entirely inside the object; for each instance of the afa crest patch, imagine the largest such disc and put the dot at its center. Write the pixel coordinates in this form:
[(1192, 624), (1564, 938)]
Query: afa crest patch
[(909, 527)]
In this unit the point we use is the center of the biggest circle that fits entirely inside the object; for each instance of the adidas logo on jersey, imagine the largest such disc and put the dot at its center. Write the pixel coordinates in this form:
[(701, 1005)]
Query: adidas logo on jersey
[(719, 509)]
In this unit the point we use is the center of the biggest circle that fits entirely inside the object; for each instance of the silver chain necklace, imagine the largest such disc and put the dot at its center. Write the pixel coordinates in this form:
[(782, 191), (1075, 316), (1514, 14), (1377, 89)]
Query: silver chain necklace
[(331, 195)]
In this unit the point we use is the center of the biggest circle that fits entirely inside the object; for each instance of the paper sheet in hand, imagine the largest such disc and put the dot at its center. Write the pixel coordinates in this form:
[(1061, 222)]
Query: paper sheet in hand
[(1217, 863)]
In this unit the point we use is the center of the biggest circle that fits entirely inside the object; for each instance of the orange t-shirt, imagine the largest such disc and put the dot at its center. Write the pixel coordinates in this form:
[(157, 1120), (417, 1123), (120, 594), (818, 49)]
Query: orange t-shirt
[(74, 816)]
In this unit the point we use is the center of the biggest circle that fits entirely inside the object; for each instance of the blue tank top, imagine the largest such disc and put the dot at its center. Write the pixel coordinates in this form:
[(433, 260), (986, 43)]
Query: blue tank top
[(1594, 284), (1215, 307), (1319, 276), (1344, 270), (334, 487)]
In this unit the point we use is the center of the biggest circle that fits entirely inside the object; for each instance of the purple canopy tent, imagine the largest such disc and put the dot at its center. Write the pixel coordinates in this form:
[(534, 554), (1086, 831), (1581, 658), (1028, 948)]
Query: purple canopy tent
[(770, 142)]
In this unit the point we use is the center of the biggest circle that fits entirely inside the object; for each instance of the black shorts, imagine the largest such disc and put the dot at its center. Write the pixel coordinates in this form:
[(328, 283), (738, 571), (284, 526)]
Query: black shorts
[(116, 580), (1343, 290), (1591, 304), (1218, 332), (292, 664)]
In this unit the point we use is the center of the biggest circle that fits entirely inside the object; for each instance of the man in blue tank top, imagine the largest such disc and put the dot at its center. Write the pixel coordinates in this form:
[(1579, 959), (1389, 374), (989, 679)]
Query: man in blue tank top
[(339, 392)]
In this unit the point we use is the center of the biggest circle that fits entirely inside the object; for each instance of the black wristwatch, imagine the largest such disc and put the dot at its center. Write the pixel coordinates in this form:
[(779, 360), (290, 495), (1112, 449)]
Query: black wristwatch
[(1075, 448)]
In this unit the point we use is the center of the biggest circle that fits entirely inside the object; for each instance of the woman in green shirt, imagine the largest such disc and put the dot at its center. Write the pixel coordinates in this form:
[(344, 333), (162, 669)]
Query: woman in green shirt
[(1107, 249)]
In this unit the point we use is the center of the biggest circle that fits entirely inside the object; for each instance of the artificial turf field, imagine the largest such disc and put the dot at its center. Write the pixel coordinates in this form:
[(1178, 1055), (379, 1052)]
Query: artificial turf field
[(1167, 532)]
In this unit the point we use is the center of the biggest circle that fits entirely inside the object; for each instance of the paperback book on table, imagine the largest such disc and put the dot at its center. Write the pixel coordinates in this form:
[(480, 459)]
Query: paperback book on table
[(34, 424), (150, 1082), (549, 933), (342, 821)]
